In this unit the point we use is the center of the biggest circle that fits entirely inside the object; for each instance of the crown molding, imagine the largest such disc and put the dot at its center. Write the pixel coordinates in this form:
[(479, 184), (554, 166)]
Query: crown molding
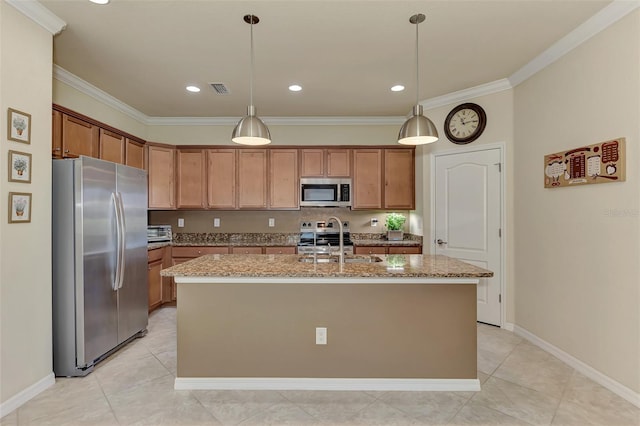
[(39, 14), (592, 26), (89, 89), (466, 94), (276, 121)]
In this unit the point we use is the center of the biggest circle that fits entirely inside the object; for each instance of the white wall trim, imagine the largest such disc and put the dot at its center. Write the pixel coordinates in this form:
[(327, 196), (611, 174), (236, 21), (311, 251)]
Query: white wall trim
[(592, 26), (100, 95), (285, 383), (501, 146), (509, 326), (598, 377), (466, 94), (282, 121), (39, 14), (25, 395)]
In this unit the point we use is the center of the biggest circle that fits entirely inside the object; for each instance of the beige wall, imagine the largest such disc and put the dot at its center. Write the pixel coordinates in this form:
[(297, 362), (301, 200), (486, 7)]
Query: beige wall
[(577, 269), (25, 248), (499, 130), (257, 221)]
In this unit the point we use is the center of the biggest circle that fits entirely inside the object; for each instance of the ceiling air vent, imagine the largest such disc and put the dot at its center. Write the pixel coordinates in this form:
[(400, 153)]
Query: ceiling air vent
[(219, 88)]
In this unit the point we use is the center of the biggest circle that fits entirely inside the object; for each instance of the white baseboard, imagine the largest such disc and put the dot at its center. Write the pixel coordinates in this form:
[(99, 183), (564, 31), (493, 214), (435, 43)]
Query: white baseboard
[(278, 383), (509, 326), (602, 379), (21, 397)]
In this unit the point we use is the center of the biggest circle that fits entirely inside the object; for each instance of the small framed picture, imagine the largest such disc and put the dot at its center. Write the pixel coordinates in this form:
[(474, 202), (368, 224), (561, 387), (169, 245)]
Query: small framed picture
[(18, 126), (19, 207), (19, 167)]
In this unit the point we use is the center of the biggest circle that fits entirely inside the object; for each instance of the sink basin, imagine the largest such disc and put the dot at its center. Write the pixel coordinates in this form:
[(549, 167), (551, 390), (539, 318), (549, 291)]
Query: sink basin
[(336, 259)]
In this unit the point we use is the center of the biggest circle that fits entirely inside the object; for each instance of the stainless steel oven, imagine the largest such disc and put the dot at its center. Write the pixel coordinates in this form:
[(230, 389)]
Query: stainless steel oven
[(320, 237), (158, 233)]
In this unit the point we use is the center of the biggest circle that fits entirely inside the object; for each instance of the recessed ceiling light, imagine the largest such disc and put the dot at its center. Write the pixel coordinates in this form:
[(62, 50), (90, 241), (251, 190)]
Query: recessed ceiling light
[(193, 89), (99, 1), (397, 88), (295, 88)]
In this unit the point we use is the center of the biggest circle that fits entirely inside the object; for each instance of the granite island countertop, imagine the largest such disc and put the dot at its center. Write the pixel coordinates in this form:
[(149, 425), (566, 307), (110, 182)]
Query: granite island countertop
[(288, 266)]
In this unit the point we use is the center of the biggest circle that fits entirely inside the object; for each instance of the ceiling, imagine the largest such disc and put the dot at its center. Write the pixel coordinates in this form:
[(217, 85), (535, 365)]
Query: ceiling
[(345, 54)]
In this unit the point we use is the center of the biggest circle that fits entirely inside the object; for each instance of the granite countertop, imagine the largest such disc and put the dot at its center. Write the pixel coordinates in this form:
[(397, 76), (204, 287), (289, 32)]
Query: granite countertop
[(403, 243), (288, 266)]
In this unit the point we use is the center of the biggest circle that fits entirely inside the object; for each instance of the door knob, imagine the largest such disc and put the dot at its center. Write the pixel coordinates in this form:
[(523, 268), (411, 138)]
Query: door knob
[(440, 242)]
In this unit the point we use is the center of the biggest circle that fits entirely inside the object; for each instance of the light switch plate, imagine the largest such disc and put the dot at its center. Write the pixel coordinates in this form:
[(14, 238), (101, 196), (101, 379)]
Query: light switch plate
[(321, 335), (272, 222), (180, 223), (216, 222)]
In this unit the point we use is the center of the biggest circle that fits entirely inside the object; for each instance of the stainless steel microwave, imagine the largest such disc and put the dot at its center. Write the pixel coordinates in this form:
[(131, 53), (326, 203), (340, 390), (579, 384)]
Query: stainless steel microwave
[(158, 233), (325, 192)]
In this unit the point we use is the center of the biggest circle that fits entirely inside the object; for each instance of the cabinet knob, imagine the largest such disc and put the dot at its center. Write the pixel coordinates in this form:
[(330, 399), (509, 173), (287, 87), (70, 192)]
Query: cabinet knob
[(57, 149), (66, 150), (199, 251)]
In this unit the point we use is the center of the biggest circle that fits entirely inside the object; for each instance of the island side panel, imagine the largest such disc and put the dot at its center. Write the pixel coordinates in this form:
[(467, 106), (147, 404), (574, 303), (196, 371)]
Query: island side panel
[(374, 331)]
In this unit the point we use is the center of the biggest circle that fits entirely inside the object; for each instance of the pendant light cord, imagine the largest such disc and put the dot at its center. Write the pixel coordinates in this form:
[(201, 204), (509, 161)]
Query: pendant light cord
[(251, 73), (417, 67)]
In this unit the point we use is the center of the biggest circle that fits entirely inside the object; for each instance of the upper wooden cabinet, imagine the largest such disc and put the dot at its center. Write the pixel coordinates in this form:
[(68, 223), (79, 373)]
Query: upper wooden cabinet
[(399, 179), (134, 154), (252, 178), (78, 137), (56, 134), (112, 146), (191, 178), (330, 162), (160, 163), (284, 183), (221, 178), (367, 179)]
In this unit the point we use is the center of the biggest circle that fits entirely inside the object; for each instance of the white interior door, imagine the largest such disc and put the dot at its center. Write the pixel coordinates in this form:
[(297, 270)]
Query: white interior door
[(467, 213)]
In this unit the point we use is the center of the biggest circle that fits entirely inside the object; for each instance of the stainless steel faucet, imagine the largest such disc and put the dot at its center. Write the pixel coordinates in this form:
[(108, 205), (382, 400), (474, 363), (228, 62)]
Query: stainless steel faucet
[(341, 238)]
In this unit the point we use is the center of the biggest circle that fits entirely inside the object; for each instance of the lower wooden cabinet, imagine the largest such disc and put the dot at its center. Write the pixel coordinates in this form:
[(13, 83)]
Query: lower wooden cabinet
[(387, 250), (280, 250), (246, 250), (156, 261)]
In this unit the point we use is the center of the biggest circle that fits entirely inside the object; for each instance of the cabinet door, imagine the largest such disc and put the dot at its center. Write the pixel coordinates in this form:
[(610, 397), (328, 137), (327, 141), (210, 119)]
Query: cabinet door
[(78, 138), (405, 250), (221, 178), (197, 251), (134, 154), (111, 146), (191, 179), (367, 178), (338, 163), (252, 178), (246, 250), (283, 179), (161, 177), (311, 162), (399, 179), (155, 284), (56, 134)]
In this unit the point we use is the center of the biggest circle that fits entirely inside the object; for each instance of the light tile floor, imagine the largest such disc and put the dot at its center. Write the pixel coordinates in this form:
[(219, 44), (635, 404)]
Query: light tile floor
[(521, 384)]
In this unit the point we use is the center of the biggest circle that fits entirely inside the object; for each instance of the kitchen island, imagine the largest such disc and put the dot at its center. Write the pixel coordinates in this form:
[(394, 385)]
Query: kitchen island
[(404, 322)]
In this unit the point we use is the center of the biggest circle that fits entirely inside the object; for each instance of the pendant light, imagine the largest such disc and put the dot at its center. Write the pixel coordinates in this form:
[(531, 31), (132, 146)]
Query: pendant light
[(250, 130), (418, 129)]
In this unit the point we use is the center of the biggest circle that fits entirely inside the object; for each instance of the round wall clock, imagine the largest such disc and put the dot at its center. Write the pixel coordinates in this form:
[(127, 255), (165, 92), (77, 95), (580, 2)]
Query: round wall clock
[(465, 123)]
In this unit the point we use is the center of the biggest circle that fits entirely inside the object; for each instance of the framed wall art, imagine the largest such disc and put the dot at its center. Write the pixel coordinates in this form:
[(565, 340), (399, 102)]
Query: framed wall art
[(18, 126), (19, 207), (19, 167)]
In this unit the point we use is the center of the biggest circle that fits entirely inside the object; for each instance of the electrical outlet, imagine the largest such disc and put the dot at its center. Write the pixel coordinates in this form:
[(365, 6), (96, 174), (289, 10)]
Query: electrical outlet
[(374, 221), (216, 222), (180, 223), (272, 222), (321, 335)]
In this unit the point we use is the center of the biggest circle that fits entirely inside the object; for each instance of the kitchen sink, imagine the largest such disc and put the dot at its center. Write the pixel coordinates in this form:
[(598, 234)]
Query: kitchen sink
[(336, 259)]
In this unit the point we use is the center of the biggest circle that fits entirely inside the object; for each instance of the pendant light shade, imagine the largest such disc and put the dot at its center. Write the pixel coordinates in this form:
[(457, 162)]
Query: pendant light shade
[(250, 130), (418, 129)]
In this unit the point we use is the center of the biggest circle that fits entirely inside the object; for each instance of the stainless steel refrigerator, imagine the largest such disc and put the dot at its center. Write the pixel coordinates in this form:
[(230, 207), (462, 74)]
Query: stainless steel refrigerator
[(100, 296)]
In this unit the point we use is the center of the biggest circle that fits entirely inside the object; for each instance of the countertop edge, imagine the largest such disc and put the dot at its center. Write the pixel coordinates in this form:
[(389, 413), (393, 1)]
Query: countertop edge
[(325, 280)]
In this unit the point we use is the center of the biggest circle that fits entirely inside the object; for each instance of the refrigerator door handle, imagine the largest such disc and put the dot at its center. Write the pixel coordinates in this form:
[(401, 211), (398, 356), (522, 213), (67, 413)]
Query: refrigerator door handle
[(119, 252), (123, 240)]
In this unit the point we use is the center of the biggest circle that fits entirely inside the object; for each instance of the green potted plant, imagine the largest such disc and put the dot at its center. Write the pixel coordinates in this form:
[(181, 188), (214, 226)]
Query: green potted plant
[(394, 224)]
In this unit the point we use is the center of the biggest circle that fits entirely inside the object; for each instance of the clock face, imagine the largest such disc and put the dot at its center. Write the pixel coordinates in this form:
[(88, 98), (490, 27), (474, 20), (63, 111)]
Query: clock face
[(465, 123)]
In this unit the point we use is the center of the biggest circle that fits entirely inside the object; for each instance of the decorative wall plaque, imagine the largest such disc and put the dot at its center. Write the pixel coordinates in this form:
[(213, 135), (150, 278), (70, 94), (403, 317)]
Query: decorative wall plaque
[(599, 163)]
